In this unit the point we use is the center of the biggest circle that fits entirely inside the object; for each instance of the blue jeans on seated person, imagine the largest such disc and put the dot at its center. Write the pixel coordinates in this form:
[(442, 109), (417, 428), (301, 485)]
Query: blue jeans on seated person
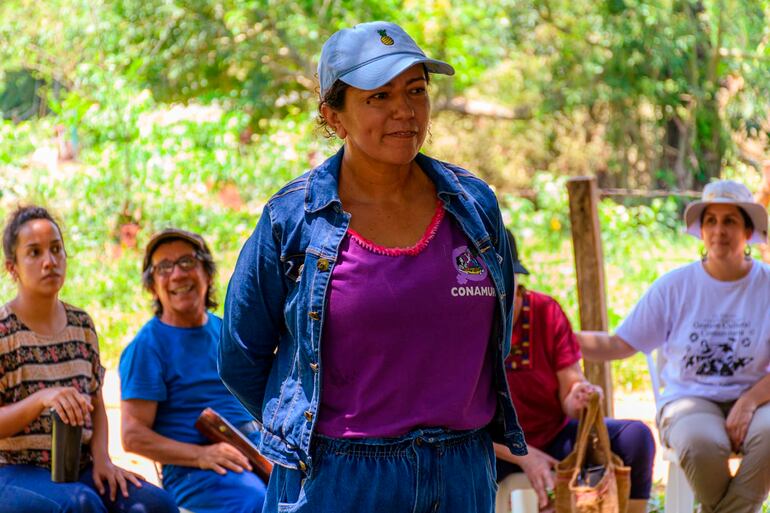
[(205, 491), (630, 439), (38, 494), (427, 470), (13, 498)]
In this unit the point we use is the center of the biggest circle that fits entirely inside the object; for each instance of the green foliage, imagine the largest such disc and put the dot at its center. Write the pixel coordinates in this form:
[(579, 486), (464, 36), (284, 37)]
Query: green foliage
[(262, 55), (654, 75), (641, 93)]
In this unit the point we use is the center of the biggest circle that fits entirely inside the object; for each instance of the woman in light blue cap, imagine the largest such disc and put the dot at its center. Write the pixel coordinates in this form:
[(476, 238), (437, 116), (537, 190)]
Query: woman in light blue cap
[(369, 313)]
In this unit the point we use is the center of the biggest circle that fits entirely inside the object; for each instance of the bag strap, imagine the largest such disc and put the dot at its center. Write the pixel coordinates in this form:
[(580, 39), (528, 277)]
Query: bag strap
[(601, 430), (587, 415), (592, 417)]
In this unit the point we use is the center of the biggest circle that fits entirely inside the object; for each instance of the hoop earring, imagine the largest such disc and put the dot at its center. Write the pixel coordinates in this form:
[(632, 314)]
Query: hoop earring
[(747, 252), (704, 254)]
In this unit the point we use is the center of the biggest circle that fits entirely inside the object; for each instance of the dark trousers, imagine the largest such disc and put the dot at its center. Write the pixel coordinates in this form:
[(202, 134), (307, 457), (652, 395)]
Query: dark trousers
[(629, 439)]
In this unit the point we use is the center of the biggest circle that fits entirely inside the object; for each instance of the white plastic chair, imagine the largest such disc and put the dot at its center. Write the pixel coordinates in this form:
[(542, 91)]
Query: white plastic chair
[(515, 495), (679, 495)]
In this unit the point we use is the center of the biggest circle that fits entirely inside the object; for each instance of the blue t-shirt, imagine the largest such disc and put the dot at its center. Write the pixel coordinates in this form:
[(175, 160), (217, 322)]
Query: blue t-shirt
[(177, 368)]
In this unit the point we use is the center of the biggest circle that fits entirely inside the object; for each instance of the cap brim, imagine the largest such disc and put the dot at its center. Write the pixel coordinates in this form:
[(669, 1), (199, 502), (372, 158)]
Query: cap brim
[(755, 211), (171, 234), (519, 269), (381, 71)]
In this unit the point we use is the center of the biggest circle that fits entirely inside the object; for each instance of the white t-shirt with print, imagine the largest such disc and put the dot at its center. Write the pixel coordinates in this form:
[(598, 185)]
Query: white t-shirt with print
[(714, 335)]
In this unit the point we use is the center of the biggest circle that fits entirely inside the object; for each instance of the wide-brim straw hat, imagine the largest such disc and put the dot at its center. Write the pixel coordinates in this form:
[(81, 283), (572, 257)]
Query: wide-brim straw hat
[(728, 192)]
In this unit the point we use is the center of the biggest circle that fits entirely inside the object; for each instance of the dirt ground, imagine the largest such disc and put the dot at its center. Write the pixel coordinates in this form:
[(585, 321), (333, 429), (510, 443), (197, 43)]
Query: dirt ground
[(638, 405)]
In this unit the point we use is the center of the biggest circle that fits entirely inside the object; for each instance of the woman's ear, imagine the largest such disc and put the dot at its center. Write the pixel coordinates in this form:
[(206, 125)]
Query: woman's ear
[(10, 268), (333, 119)]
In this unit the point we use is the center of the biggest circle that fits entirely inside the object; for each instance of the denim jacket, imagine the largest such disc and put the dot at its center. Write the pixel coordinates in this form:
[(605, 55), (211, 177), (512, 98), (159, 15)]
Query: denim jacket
[(269, 352)]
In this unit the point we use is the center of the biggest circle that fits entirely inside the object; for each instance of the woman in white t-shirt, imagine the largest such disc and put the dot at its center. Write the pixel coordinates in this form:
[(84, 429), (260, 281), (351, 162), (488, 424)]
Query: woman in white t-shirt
[(711, 321)]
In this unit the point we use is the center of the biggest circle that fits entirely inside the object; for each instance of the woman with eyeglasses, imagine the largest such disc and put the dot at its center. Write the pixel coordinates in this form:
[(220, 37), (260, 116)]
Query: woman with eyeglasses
[(168, 375), (49, 361)]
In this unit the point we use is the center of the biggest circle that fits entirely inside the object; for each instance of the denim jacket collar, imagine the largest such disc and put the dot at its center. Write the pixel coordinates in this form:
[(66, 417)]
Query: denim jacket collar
[(321, 190)]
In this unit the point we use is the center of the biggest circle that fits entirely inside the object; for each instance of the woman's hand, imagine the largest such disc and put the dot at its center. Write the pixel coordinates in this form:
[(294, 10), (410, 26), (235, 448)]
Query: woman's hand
[(116, 478), (538, 467), (738, 420), (72, 406), (222, 456), (579, 396)]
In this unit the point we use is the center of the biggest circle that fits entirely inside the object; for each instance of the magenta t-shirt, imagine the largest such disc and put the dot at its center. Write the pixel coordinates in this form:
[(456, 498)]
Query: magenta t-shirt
[(405, 340)]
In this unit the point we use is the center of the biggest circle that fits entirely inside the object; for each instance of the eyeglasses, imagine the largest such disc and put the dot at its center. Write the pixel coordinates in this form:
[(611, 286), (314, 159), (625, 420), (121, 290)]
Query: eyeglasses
[(166, 267)]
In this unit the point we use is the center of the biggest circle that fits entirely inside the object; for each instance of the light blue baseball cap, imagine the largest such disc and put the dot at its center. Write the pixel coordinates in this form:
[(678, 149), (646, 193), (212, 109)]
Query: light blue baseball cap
[(369, 55)]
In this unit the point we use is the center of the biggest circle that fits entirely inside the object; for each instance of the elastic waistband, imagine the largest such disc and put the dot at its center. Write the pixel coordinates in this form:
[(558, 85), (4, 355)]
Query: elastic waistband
[(436, 437)]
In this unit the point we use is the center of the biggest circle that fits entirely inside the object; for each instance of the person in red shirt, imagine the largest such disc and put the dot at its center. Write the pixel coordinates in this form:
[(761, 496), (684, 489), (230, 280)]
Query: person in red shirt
[(549, 389)]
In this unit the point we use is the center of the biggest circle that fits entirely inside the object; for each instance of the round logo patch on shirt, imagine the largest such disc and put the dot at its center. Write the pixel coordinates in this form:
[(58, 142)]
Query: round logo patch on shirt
[(468, 266)]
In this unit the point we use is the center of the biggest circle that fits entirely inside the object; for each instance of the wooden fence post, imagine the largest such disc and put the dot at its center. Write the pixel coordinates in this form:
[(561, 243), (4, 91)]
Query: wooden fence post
[(589, 268)]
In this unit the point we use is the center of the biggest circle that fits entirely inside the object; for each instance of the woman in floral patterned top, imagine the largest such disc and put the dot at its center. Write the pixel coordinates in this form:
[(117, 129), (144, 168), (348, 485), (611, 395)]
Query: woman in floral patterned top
[(49, 360)]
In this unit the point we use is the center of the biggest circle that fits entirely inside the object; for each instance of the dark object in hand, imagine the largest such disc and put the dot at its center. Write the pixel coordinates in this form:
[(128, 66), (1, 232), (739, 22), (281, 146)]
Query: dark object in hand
[(214, 427), (65, 450)]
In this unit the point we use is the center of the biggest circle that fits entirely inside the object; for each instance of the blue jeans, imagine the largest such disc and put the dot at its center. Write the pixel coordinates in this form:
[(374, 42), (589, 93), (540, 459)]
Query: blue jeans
[(29, 489), (428, 470), (205, 491), (13, 498)]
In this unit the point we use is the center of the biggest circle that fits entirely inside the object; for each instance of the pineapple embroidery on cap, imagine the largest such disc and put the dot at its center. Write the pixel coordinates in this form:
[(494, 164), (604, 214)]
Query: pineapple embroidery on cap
[(385, 38)]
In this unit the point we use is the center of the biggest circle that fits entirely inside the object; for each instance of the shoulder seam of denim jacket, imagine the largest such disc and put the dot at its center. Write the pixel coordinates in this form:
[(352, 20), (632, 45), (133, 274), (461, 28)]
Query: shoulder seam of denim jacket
[(269, 211), (285, 192), (297, 184)]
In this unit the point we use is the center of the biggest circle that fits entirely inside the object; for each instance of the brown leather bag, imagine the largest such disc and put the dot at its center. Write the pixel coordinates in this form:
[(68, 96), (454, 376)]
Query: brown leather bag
[(217, 429), (592, 479)]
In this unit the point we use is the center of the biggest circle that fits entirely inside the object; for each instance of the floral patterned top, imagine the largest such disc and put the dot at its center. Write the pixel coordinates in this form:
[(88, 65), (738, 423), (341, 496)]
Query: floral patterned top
[(30, 362)]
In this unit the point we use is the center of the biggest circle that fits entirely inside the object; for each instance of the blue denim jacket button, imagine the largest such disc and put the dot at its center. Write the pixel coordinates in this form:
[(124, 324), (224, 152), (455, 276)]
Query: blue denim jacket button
[(314, 366), (323, 265), (314, 315), (309, 416)]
